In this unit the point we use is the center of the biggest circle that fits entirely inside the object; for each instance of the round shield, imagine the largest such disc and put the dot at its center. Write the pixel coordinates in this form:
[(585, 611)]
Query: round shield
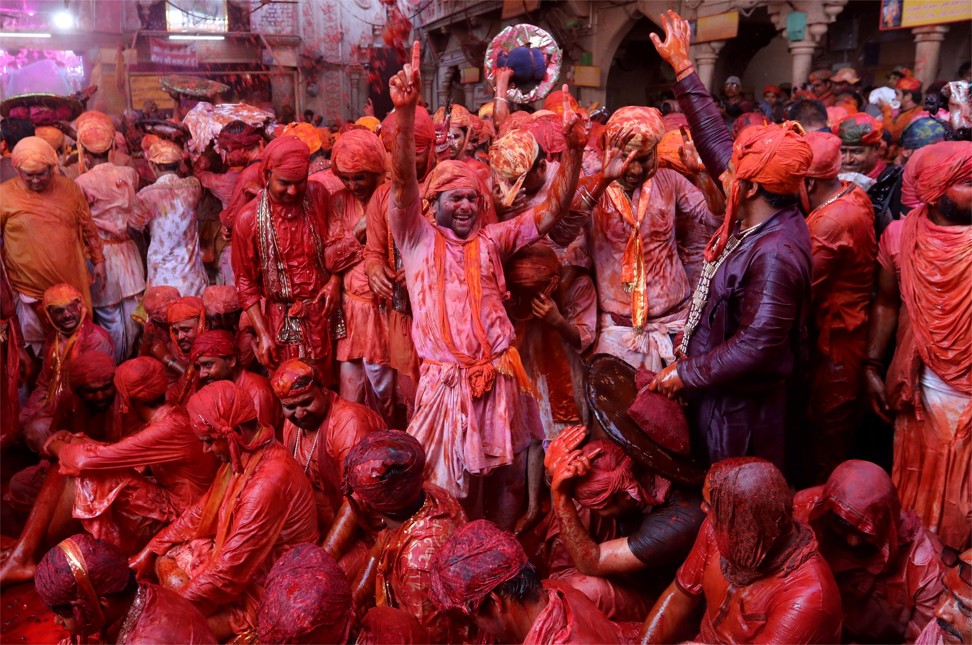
[(519, 36), (192, 86), (41, 109), (611, 390)]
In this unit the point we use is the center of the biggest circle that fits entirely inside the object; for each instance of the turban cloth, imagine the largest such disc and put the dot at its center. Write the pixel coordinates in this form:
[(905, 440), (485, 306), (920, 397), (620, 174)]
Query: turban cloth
[(908, 84), (51, 135), (238, 135), (292, 378), (140, 380), (613, 472), (90, 367), (451, 175), (772, 89), (358, 151), (534, 269), (327, 139), (514, 121), (185, 308), (390, 625), (307, 599), (826, 155), (287, 157), (820, 75), (385, 470), (485, 110), (774, 156), (156, 302), (147, 142), (669, 152), (859, 129), (424, 134), (511, 157), (33, 154), (644, 122), (674, 120), (747, 120), (835, 114), (61, 295), (751, 510), (306, 133), (555, 102), (77, 572), (217, 410), (95, 132), (369, 122), (221, 299), (936, 168), (458, 115), (164, 152), (861, 493), (549, 133), (215, 342), (922, 132), (477, 558)]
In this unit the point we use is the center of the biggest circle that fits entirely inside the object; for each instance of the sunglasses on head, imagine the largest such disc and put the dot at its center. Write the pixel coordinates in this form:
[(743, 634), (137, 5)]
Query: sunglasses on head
[(952, 558)]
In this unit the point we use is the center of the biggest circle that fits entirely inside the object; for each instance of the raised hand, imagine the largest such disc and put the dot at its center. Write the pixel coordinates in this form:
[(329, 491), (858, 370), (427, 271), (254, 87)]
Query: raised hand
[(616, 162), (689, 154), (565, 443), (678, 36), (577, 127), (405, 87)]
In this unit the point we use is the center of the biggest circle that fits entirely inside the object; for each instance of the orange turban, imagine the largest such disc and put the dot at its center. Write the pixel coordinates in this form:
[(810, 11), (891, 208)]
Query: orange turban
[(369, 122), (511, 157), (156, 301), (164, 152), (60, 295), (908, 84), (326, 137), (95, 131), (748, 120), (292, 378), (826, 155), (776, 157), (668, 152), (358, 151), (645, 122), (934, 169), (288, 157), (306, 133), (451, 175), (51, 135), (148, 141), (33, 154), (555, 102), (458, 116), (185, 308)]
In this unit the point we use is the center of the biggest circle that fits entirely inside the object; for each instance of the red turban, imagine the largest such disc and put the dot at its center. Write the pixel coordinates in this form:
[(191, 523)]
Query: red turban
[(751, 510), (859, 129), (141, 379), (932, 170), (612, 472), (307, 599), (385, 470), (774, 89), (221, 299), (424, 130), (218, 410), (549, 133), (820, 75), (156, 301), (774, 156), (33, 154), (533, 268), (644, 122), (477, 558), (306, 133), (147, 142), (287, 157), (292, 378), (908, 84), (77, 572), (90, 367), (748, 120), (358, 151), (391, 626), (826, 155), (215, 342), (245, 137), (555, 102), (954, 582)]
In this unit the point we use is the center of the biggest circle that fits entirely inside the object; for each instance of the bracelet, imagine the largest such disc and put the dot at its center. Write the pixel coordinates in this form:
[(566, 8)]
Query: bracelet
[(679, 73), (587, 198), (500, 98)]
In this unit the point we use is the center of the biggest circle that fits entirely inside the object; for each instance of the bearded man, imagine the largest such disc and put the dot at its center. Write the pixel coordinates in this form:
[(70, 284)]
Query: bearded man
[(925, 261), (952, 623)]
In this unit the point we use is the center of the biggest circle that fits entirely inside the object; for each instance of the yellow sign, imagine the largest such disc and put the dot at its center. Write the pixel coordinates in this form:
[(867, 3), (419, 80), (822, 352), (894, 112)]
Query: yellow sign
[(721, 26), (901, 14), (469, 75), (146, 87), (587, 76)]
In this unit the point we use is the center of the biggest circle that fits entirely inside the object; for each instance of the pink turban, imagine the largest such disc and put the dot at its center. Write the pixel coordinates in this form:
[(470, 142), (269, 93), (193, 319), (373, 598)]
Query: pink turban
[(645, 122), (386, 470), (33, 154)]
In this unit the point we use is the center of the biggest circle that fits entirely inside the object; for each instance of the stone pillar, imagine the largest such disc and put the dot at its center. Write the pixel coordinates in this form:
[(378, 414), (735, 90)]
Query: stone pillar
[(802, 53), (442, 91), (706, 55), (356, 99), (428, 75), (928, 46)]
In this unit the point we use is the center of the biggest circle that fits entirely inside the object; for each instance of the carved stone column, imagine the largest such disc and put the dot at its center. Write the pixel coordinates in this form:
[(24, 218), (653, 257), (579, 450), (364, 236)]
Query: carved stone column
[(928, 47), (706, 55)]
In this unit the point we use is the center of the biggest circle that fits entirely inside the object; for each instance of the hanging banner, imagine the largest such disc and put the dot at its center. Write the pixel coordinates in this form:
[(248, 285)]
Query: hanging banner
[(903, 14), (175, 54), (721, 26)]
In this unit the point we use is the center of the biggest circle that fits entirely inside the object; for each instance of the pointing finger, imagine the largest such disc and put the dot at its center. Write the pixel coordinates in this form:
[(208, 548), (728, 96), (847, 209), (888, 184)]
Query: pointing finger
[(416, 55)]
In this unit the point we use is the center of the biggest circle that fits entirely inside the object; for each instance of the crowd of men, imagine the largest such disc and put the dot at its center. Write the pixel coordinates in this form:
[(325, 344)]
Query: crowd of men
[(359, 412)]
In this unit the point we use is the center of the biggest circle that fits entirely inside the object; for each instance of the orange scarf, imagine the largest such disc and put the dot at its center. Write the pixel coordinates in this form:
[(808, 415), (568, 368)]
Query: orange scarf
[(633, 260)]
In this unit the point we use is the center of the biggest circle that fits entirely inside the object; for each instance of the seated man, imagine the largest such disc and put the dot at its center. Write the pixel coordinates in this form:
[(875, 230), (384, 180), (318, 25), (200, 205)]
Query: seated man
[(885, 562), (383, 480), (156, 341), (614, 520), (307, 599), (90, 589), (759, 572), (217, 554), (483, 573), (320, 429), (104, 485), (73, 333), (953, 615), (214, 357)]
